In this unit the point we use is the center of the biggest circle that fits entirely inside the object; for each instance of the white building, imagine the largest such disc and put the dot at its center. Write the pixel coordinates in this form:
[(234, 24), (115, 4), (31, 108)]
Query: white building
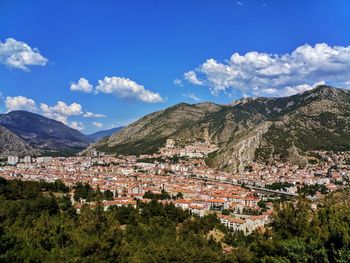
[(170, 144), (12, 160), (27, 159), (44, 159)]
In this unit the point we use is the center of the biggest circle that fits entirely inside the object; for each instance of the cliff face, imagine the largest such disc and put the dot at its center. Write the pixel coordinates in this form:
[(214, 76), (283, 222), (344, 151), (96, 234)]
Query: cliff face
[(11, 144), (263, 129)]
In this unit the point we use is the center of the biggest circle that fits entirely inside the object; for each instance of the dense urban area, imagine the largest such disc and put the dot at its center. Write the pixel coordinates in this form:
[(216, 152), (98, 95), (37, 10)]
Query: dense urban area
[(236, 208)]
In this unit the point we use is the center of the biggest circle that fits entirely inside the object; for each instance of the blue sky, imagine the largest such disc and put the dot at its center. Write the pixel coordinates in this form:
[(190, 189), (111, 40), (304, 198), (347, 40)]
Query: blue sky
[(136, 57)]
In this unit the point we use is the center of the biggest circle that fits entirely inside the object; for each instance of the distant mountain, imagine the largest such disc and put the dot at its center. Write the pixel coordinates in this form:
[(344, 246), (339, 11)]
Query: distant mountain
[(11, 144), (265, 129), (43, 133), (101, 134)]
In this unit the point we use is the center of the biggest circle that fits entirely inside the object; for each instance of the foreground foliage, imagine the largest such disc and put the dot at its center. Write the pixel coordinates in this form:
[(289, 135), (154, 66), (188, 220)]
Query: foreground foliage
[(39, 224)]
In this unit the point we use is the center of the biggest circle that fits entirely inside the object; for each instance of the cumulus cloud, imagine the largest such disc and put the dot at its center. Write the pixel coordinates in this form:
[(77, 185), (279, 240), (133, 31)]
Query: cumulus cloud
[(97, 124), (77, 125), (286, 91), (93, 115), (20, 103), (192, 96), (61, 111), (19, 55), (126, 88), (257, 73), (191, 76), (82, 85)]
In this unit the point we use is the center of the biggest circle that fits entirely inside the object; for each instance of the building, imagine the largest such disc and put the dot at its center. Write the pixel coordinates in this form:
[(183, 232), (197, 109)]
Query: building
[(27, 159), (170, 144), (12, 160), (44, 159)]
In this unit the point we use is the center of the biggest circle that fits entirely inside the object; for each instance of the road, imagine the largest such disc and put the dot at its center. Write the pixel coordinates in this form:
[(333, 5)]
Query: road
[(248, 186)]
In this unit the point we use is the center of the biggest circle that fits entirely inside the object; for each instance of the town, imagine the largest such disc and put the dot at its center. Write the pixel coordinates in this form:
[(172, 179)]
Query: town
[(242, 201)]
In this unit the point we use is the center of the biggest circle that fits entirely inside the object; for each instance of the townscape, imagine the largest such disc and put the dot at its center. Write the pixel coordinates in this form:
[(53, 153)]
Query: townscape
[(242, 201), (175, 131)]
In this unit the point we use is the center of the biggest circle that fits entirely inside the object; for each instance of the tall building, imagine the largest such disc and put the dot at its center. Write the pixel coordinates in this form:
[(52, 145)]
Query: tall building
[(12, 160), (27, 159)]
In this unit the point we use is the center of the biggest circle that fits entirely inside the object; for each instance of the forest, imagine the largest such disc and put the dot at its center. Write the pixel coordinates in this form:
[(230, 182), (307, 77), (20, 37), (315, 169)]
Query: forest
[(38, 223)]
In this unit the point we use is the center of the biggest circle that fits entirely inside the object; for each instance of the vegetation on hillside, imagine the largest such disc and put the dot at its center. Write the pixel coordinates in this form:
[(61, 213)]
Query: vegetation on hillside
[(39, 224)]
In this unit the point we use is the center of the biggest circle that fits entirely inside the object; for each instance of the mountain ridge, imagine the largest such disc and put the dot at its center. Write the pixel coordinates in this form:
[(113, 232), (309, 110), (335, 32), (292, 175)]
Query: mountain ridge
[(263, 129), (43, 133)]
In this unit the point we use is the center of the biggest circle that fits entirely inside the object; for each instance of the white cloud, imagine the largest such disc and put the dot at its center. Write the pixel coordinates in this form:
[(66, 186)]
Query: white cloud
[(126, 88), (61, 111), (192, 96), (82, 85), (77, 125), (178, 82), (97, 124), (64, 109), (288, 91), (93, 115), (20, 103), (191, 76), (239, 3), (257, 73), (17, 54), (347, 84)]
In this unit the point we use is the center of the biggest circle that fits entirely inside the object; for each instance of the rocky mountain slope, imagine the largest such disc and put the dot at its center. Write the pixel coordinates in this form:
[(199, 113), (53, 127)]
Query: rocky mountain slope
[(150, 132), (11, 144), (43, 133), (264, 129)]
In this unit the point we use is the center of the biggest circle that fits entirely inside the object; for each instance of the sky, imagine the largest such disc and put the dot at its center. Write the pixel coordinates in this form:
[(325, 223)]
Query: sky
[(95, 65)]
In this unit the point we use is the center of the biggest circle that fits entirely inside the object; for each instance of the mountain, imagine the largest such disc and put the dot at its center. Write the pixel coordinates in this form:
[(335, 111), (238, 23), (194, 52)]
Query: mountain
[(150, 132), (94, 137), (264, 129), (11, 144), (43, 133)]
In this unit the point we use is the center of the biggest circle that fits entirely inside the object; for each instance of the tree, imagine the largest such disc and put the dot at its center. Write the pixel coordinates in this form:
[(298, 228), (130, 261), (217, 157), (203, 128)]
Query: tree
[(83, 191), (108, 195), (262, 204), (226, 212)]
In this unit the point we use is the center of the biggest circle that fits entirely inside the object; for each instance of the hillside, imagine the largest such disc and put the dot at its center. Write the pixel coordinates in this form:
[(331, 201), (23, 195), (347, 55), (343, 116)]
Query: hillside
[(264, 129), (150, 132), (43, 133), (11, 144), (41, 227)]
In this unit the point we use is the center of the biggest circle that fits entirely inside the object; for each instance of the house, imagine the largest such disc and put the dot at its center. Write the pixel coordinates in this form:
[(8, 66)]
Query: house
[(217, 204), (119, 202), (251, 201), (197, 210), (182, 203)]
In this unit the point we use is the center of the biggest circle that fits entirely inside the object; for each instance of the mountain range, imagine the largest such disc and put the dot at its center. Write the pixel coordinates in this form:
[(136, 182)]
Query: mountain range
[(251, 129), (101, 134), (27, 133), (43, 133)]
